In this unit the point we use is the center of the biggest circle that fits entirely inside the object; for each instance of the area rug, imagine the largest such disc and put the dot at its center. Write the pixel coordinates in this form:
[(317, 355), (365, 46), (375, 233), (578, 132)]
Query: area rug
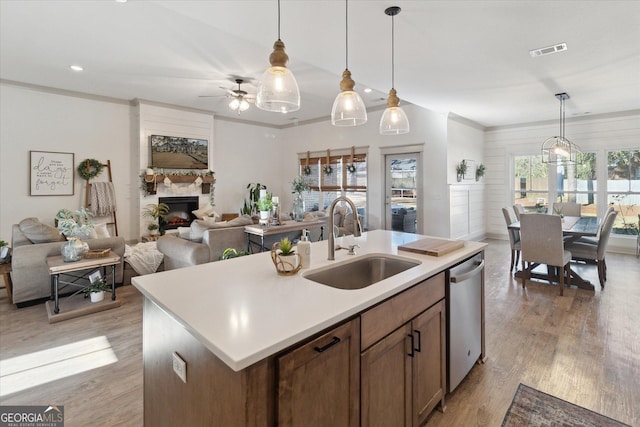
[(534, 408)]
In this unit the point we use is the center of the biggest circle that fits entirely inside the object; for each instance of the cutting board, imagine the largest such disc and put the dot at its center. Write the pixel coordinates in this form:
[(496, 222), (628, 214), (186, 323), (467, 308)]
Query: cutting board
[(432, 246)]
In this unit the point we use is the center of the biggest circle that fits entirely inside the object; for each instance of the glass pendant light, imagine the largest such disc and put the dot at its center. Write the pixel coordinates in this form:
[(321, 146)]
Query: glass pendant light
[(278, 90), (559, 149), (348, 108), (394, 121)]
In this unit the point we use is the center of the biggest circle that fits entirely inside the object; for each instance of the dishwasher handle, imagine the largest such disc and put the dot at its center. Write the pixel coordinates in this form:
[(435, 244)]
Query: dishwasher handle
[(468, 274)]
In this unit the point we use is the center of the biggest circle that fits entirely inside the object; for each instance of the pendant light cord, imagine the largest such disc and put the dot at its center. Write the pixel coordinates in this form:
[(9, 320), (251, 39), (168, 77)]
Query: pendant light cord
[(393, 65), (278, 19), (346, 34), (562, 118)]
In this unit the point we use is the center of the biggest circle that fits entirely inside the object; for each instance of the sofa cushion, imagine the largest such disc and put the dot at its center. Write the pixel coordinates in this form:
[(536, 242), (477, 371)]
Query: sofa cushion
[(99, 231), (204, 211), (38, 232), (241, 220)]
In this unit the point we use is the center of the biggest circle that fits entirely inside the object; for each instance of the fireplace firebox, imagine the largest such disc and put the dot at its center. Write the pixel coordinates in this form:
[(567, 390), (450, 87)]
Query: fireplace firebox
[(180, 211)]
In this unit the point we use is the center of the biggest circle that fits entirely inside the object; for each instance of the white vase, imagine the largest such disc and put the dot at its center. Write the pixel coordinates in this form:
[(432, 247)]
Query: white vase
[(96, 296), (289, 262), (264, 215)]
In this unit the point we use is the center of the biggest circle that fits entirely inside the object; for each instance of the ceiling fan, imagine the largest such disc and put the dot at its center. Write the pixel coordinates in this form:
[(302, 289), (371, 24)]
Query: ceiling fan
[(240, 99)]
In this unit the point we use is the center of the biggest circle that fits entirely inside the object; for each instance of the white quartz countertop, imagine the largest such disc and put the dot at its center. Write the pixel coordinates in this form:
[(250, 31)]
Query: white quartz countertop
[(243, 311)]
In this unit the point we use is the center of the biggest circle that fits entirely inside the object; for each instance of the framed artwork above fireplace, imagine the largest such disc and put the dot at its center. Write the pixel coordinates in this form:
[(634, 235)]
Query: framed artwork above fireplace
[(174, 152)]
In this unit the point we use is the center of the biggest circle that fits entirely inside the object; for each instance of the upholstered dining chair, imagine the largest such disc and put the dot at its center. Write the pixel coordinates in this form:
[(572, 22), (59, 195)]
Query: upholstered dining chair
[(595, 254), (518, 209), (514, 238), (594, 240), (567, 208), (542, 243)]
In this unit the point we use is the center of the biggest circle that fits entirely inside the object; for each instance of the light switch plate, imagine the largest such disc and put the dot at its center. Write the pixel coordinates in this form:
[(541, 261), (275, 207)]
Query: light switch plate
[(180, 367)]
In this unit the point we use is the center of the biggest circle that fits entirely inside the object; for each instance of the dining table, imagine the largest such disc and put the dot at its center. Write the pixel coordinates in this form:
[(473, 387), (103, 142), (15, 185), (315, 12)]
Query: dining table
[(573, 228)]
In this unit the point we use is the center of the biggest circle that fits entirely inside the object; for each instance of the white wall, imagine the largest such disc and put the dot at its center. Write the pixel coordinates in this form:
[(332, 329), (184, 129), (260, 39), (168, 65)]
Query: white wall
[(599, 134), (427, 128), (94, 128)]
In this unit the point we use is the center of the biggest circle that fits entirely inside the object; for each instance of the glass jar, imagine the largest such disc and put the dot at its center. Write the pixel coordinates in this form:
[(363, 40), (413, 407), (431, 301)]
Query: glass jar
[(298, 207), (72, 250)]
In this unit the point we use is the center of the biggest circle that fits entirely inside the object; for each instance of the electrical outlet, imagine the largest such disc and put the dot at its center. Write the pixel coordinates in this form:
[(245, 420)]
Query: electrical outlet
[(180, 367)]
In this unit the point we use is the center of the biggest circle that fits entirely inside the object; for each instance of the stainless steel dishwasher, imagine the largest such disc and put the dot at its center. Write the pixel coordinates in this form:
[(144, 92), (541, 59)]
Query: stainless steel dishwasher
[(464, 318)]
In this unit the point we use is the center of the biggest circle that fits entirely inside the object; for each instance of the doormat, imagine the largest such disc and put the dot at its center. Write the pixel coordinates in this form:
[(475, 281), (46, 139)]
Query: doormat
[(534, 408)]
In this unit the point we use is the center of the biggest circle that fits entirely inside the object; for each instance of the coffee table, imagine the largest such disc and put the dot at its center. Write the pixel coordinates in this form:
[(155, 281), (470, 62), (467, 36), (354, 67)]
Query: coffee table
[(57, 266)]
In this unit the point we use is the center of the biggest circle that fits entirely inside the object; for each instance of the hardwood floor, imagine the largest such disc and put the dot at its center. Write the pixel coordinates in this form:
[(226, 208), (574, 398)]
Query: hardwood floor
[(582, 347)]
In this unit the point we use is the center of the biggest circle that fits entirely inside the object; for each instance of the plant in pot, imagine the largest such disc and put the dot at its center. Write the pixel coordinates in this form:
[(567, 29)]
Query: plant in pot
[(153, 229), (286, 258), (265, 204), (480, 171), (96, 290), (76, 227), (251, 206), (4, 249), (461, 169), (157, 212)]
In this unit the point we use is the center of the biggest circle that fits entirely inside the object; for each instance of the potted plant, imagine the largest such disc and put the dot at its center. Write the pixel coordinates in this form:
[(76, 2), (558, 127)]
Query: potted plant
[(251, 206), (153, 229), (461, 169), (265, 204), (96, 290), (76, 227), (288, 259), (157, 213), (150, 170), (4, 249), (480, 171), (299, 185)]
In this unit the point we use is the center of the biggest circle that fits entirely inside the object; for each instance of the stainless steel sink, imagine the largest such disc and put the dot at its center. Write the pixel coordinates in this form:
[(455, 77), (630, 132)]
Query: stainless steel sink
[(361, 272)]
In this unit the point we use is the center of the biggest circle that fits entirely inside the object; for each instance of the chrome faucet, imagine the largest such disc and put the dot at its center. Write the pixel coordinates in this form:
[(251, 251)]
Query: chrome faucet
[(356, 224)]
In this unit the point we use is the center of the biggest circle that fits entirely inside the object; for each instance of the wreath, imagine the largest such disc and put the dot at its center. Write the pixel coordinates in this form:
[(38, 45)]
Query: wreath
[(306, 170), (351, 168), (328, 170), (89, 168)]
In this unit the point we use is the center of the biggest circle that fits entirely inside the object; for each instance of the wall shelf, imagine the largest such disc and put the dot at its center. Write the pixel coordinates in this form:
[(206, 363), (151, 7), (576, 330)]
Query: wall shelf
[(153, 180)]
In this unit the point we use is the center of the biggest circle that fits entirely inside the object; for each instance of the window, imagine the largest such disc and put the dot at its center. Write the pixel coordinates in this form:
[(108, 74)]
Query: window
[(578, 183), (348, 177), (531, 184), (623, 189)]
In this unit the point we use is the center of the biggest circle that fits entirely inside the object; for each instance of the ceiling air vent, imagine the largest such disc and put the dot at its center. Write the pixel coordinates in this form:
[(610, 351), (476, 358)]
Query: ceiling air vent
[(561, 47)]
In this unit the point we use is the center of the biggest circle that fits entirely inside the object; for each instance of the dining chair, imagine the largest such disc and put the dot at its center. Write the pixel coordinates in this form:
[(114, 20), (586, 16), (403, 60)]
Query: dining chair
[(594, 240), (541, 241), (567, 208), (595, 254), (518, 209), (514, 238)]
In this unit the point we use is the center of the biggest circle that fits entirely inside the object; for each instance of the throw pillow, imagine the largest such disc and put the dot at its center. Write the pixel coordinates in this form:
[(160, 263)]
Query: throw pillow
[(203, 211), (38, 232), (241, 220)]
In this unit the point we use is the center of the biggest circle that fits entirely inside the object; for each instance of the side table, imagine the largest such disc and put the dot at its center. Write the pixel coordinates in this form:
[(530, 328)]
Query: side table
[(57, 267), (5, 272)]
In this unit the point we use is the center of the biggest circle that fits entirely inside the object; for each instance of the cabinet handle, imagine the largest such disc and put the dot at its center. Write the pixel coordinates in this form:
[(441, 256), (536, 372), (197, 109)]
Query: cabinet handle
[(333, 342), (419, 340), (412, 345)]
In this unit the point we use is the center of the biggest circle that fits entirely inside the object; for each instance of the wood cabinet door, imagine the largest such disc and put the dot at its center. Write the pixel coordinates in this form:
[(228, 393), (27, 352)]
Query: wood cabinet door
[(386, 381), (429, 362), (319, 382)]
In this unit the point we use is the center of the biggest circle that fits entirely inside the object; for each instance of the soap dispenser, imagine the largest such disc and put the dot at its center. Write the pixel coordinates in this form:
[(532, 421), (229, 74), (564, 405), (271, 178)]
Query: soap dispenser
[(304, 250)]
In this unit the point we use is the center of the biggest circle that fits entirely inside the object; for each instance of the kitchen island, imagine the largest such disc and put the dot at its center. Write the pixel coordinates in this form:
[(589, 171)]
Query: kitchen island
[(236, 322)]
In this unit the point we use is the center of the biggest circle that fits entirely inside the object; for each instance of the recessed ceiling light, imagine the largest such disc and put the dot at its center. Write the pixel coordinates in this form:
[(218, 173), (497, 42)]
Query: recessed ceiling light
[(76, 68), (121, 1), (367, 90)]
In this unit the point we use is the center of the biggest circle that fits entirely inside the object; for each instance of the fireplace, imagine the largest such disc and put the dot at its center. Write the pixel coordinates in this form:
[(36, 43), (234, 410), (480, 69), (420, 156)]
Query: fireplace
[(180, 211)]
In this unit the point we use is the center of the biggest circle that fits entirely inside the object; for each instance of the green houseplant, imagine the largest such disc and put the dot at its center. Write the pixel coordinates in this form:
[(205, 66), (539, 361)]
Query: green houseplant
[(285, 259), (157, 212), (232, 253), (251, 206), (265, 204), (480, 171), (461, 169), (96, 290)]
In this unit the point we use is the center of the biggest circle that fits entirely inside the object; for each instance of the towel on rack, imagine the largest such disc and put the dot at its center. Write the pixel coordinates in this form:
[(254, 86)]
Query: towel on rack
[(103, 198)]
